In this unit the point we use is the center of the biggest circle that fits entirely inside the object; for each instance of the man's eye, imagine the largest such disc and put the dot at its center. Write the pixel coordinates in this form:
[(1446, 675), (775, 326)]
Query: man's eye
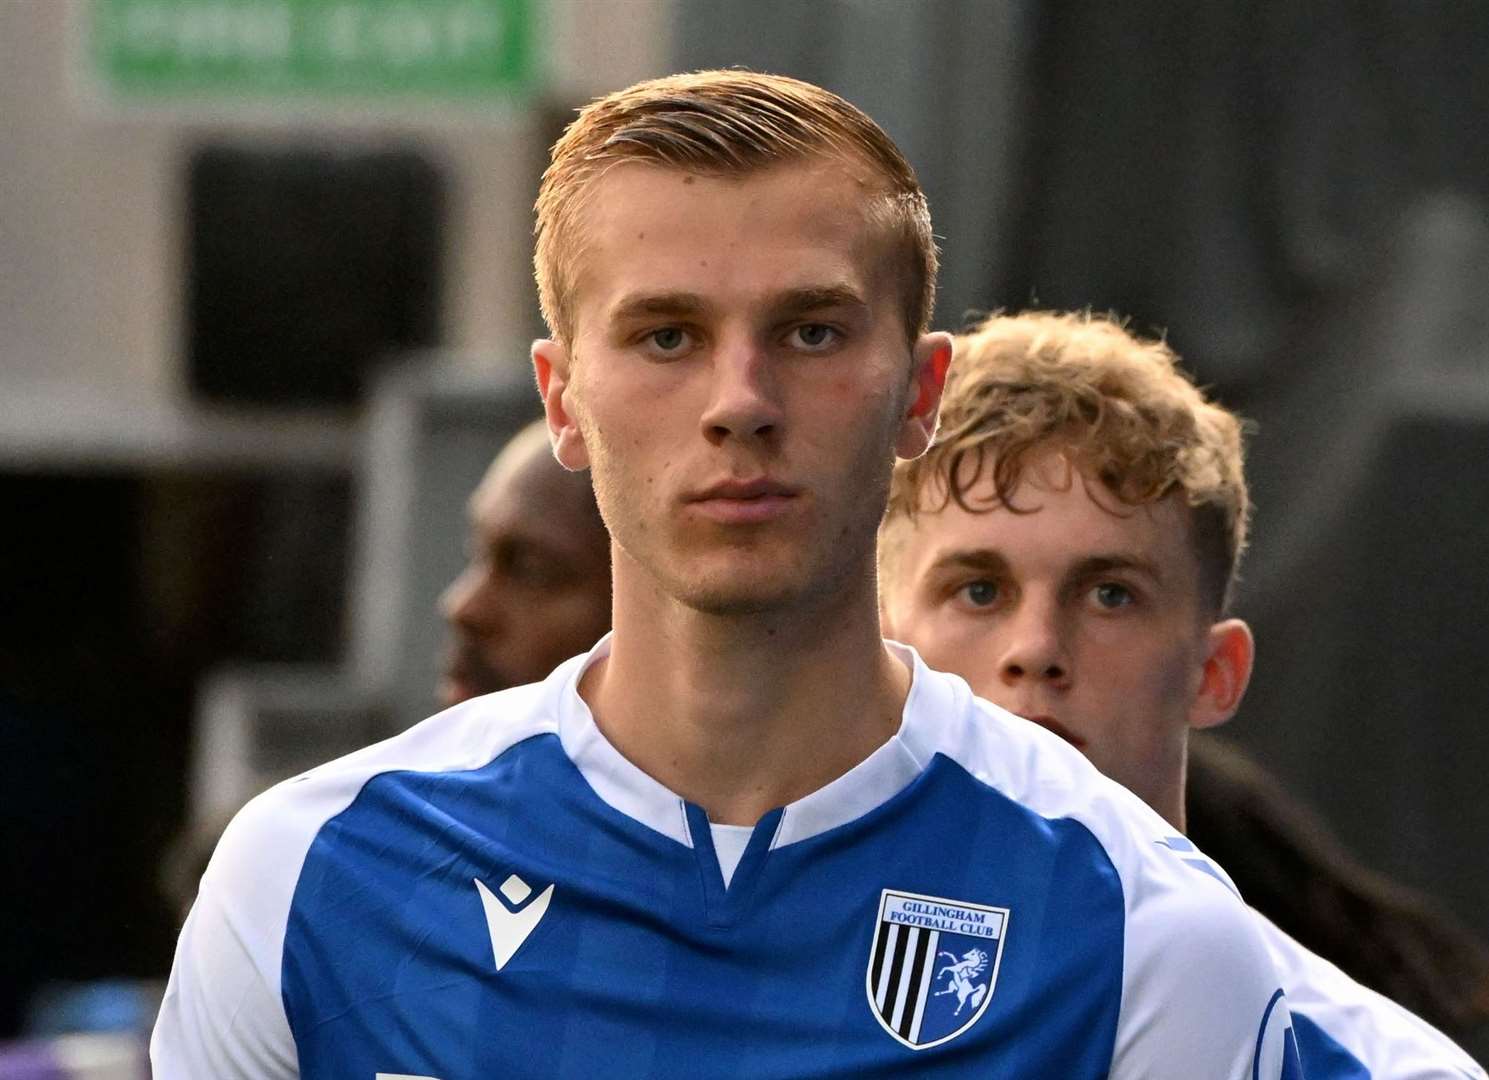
[(669, 339), (813, 335), (979, 593), (1111, 595), (521, 564)]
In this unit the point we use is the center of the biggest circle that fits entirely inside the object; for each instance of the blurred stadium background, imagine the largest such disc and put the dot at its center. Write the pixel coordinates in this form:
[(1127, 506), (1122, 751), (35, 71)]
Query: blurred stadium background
[(264, 311)]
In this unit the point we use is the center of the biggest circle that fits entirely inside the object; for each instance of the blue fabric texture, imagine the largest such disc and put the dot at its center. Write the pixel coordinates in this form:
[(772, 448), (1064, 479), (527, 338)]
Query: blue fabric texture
[(644, 965), (1327, 1060)]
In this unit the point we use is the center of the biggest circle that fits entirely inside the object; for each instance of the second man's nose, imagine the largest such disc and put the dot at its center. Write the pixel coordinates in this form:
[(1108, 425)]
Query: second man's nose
[(1033, 649)]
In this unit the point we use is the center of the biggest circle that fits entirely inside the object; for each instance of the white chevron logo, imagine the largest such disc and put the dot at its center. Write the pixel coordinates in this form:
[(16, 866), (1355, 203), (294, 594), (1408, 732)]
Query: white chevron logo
[(509, 929)]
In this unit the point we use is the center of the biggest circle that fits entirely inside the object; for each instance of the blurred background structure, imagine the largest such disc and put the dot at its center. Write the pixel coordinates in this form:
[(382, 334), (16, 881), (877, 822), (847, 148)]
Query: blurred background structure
[(265, 303)]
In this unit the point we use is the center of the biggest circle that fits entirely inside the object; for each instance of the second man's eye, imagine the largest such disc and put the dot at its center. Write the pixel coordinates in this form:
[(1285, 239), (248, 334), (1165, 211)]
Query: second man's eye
[(980, 593), (814, 335), (1111, 595)]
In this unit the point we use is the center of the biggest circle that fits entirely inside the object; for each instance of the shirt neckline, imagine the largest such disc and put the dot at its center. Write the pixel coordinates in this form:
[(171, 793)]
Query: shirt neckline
[(872, 782)]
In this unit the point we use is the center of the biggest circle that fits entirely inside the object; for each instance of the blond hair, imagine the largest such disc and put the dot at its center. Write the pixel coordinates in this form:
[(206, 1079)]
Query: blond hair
[(1117, 404), (723, 123)]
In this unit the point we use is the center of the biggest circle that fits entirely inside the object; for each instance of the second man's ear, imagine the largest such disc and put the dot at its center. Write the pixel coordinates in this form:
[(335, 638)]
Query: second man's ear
[(1227, 672), (932, 359), (551, 366)]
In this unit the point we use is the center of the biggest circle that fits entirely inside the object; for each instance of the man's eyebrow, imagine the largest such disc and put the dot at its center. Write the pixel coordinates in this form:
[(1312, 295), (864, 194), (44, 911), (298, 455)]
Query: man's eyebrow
[(816, 297), (791, 302), (1094, 565), (980, 559), (670, 304), (988, 560)]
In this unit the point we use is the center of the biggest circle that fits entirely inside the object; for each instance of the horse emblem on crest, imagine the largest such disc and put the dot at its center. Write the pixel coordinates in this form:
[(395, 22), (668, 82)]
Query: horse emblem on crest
[(963, 974)]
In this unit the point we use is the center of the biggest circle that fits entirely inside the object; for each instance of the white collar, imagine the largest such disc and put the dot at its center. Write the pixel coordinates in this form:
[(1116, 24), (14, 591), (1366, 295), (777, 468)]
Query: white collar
[(934, 700)]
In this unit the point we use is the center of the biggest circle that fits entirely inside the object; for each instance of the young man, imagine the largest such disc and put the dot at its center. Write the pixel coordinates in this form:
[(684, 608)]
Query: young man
[(537, 588), (1069, 545), (743, 836)]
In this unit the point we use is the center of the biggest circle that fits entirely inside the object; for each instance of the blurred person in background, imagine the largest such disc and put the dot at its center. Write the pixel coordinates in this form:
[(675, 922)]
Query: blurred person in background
[(1070, 545), (536, 590)]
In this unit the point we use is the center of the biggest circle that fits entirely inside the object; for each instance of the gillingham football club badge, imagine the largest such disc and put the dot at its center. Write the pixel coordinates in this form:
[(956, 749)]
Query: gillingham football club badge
[(933, 965)]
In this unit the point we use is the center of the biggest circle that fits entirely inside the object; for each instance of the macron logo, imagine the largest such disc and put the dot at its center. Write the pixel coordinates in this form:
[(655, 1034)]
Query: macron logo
[(510, 928)]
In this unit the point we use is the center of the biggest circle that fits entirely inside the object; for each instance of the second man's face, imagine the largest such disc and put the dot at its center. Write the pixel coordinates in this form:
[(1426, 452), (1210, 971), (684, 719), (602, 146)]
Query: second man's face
[(740, 377), (536, 590), (1082, 614)]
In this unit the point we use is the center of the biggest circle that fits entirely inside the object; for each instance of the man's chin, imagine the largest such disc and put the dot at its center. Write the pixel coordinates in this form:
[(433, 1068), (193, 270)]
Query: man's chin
[(738, 582), (455, 687), (739, 598), (451, 692)]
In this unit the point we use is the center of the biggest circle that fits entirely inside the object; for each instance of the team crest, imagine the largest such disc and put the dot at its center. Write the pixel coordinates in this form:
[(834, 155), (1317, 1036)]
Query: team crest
[(933, 965)]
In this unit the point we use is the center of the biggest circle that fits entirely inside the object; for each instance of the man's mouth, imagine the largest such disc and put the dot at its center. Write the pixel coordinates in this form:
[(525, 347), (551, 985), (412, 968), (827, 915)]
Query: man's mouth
[(744, 501), (1051, 724), (465, 675)]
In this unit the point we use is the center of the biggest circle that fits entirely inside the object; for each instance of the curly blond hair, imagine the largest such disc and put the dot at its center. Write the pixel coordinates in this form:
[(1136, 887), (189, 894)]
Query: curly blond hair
[(1120, 407), (724, 123)]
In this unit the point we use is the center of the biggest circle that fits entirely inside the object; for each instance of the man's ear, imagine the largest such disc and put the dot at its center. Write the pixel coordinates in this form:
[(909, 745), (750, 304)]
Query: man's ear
[(932, 358), (1227, 671), (551, 365)]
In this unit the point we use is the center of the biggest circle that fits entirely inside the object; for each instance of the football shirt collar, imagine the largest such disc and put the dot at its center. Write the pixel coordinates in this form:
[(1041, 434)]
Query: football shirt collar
[(931, 704)]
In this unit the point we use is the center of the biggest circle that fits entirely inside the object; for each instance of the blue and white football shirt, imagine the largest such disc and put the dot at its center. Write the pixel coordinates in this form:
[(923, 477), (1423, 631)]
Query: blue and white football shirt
[(498, 892), (1347, 1031)]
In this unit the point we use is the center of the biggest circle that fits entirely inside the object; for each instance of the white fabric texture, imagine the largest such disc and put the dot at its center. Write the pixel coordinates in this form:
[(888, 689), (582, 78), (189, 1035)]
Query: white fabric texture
[(729, 843), (1197, 979), (1391, 1042)]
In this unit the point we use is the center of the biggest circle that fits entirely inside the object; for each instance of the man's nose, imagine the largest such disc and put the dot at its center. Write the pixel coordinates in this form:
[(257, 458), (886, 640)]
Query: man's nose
[(1034, 648), (467, 601), (744, 400)]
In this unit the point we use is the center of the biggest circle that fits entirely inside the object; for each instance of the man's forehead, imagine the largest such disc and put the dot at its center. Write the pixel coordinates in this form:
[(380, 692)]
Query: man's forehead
[(648, 231), (493, 500), (783, 296), (629, 183), (524, 479), (1065, 519)]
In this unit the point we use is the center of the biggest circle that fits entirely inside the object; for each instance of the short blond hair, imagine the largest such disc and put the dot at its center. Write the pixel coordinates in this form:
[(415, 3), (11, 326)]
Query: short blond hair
[(1118, 404), (723, 123)]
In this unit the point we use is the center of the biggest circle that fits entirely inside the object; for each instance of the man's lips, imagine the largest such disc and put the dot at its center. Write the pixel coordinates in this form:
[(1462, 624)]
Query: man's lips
[(759, 487), (744, 501), (1051, 724), (466, 675)]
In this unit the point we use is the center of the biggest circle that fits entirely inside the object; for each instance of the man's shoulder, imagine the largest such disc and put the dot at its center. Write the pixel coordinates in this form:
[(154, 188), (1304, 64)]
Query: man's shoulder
[(1174, 897), (269, 838), (461, 738), (1344, 1025), (1199, 996), (1050, 779), (223, 1013)]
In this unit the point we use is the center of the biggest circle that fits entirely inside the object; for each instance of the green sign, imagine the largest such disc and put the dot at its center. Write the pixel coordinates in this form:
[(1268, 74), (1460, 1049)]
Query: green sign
[(185, 50)]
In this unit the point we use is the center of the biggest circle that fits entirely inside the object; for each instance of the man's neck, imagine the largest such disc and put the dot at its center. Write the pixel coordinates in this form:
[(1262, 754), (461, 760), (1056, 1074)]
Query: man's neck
[(740, 714)]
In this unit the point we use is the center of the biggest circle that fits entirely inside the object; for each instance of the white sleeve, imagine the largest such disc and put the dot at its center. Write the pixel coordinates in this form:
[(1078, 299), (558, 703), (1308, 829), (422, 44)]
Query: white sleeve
[(1201, 997), (222, 1016), (1374, 1032)]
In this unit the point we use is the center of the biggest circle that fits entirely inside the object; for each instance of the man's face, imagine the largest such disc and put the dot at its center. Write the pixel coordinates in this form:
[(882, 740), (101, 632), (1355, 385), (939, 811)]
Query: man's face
[(1083, 614), (739, 379), (537, 588)]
